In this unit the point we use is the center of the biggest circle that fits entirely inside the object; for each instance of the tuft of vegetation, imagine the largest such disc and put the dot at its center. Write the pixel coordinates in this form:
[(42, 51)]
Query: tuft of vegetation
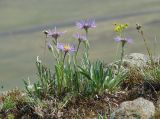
[(71, 75), (102, 117), (8, 103), (153, 74)]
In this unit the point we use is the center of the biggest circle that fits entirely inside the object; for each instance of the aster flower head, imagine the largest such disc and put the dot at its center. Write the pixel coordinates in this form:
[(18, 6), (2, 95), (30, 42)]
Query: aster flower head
[(67, 48), (86, 24), (54, 33), (80, 38), (123, 40), (50, 47), (45, 32)]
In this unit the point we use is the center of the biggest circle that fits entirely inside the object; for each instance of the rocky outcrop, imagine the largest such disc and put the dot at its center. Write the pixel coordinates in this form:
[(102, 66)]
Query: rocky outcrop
[(135, 60), (157, 115), (139, 108)]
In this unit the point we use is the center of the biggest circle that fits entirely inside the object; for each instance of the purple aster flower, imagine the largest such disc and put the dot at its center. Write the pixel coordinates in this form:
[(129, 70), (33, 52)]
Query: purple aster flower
[(123, 40), (86, 24), (80, 37), (67, 48), (54, 34)]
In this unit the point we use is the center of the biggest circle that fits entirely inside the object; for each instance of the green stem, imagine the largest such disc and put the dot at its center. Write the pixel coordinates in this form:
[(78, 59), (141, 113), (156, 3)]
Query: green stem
[(86, 32), (63, 71), (122, 55), (64, 57), (75, 58), (44, 53), (78, 48), (87, 46), (147, 48), (55, 42)]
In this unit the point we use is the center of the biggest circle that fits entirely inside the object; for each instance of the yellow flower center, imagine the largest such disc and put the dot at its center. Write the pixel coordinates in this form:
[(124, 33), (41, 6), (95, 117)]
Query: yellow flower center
[(67, 47)]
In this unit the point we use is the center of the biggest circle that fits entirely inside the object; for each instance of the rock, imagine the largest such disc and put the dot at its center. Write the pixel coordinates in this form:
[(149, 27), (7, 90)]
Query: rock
[(135, 60), (139, 108), (157, 115)]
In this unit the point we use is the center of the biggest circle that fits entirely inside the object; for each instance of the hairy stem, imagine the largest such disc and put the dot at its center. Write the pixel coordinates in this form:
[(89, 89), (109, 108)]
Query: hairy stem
[(78, 48), (122, 55), (147, 48)]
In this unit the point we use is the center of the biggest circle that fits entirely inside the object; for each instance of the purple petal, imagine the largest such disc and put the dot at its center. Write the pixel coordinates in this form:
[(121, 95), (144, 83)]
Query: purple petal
[(86, 24), (49, 33), (62, 33), (50, 47), (72, 49), (129, 40), (80, 37), (117, 39), (92, 24), (54, 33), (79, 25), (60, 46), (76, 36)]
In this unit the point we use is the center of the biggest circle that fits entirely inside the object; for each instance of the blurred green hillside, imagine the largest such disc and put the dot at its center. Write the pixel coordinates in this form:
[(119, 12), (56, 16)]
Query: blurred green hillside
[(22, 22)]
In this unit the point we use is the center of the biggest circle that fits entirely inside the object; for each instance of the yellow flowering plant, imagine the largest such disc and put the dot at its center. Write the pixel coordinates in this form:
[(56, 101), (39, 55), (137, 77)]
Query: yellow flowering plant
[(120, 27)]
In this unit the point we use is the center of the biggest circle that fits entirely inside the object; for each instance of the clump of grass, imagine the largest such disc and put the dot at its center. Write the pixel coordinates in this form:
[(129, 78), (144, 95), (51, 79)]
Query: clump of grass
[(152, 78), (15, 95), (10, 116), (44, 87), (134, 77), (102, 117), (14, 104), (100, 79), (8, 103), (152, 74), (70, 75)]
